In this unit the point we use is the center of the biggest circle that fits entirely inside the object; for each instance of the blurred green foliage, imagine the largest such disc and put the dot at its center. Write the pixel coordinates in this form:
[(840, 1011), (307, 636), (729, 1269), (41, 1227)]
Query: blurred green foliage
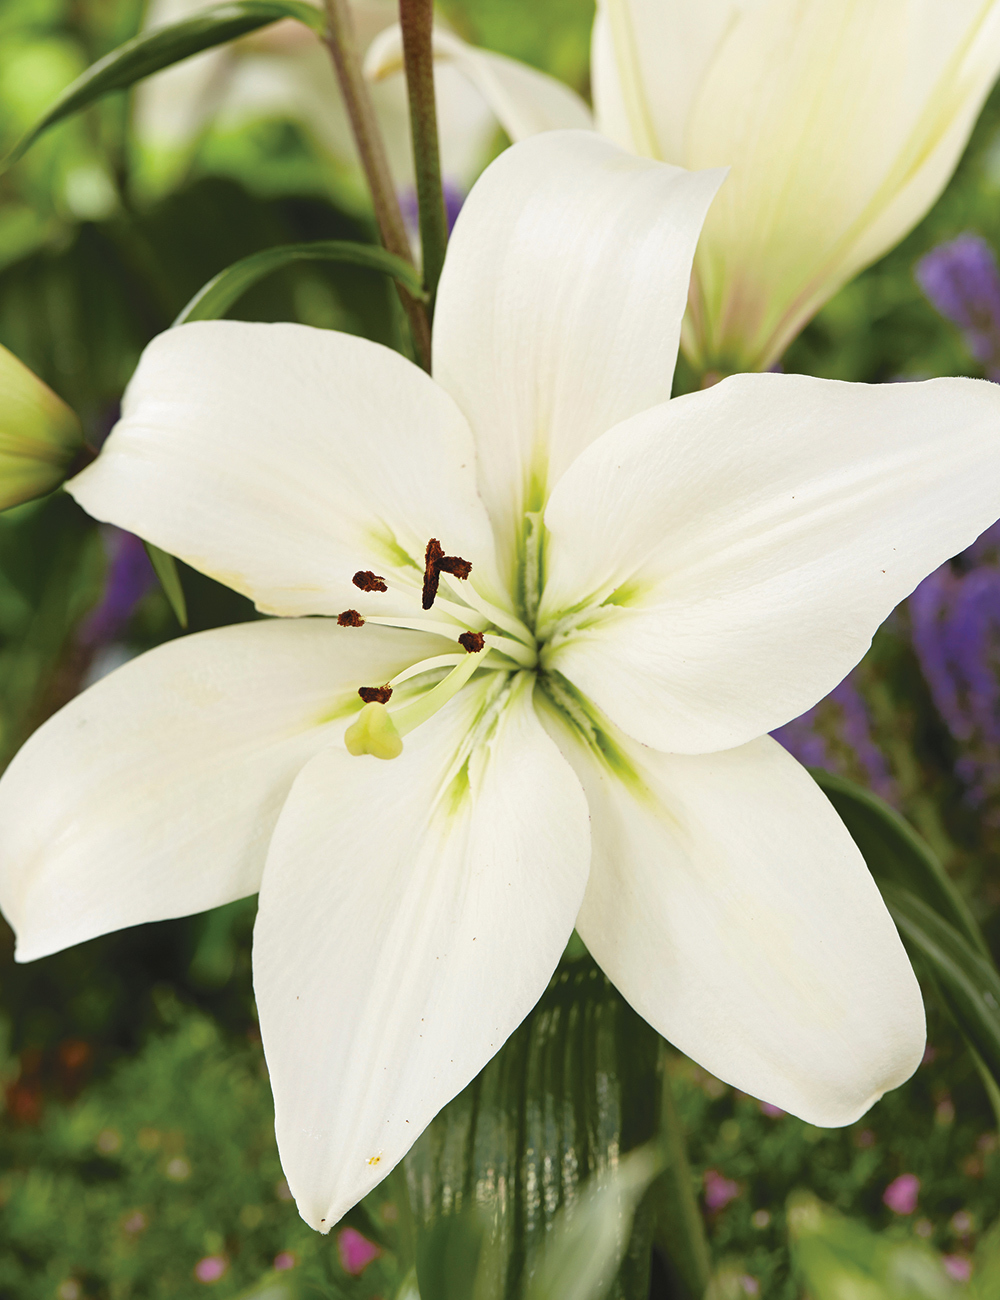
[(135, 1140)]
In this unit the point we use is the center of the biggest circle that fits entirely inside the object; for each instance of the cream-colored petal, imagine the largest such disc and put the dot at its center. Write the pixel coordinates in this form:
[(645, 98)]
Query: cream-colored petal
[(154, 793), (729, 905), (282, 460), (559, 309), (524, 100), (718, 564), (842, 124), (648, 60), (411, 914)]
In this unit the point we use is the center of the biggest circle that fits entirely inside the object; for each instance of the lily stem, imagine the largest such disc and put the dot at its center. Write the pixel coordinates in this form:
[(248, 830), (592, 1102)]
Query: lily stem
[(680, 1230), (341, 41), (416, 19)]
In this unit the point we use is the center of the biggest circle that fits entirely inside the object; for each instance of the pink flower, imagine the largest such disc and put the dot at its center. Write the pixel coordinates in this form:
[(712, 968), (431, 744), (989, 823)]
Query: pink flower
[(356, 1252), (284, 1261), (901, 1194), (772, 1112), (211, 1268), (957, 1267), (719, 1191)]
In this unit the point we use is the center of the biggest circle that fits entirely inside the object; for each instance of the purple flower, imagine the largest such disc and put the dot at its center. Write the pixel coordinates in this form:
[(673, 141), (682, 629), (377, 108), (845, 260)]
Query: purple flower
[(955, 622), (901, 1194), (130, 576), (211, 1268), (962, 281), (836, 734), (410, 208), (356, 1252), (719, 1191)]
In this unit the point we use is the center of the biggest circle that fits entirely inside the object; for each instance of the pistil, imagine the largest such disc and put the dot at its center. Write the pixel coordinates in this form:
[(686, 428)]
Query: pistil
[(421, 710)]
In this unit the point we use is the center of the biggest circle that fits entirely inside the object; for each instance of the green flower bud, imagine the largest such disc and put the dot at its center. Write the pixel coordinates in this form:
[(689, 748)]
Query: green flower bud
[(40, 437)]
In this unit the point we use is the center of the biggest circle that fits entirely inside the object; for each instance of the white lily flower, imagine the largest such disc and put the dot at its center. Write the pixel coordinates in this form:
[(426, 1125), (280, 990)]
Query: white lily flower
[(284, 71), (842, 124), (578, 718)]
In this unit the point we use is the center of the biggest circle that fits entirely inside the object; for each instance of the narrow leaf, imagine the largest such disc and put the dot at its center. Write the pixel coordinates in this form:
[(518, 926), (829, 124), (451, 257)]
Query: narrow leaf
[(968, 982), (573, 1090), (215, 298), (165, 567), (896, 854), (160, 47), (586, 1244)]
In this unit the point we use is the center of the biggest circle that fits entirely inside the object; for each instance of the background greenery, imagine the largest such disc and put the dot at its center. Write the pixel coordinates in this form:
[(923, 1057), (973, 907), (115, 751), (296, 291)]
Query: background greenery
[(135, 1139)]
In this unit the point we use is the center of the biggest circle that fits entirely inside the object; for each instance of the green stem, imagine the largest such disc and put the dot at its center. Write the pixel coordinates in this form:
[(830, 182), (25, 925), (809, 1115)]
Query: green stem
[(680, 1230), (342, 43), (416, 18)]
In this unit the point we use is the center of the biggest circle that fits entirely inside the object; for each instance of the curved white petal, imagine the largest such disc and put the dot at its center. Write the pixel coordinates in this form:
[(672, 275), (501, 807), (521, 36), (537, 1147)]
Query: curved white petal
[(559, 309), (411, 914), (282, 460), (524, 100), (153, 794), (729, 905), (648, 61), (842, 124), (749, 540)]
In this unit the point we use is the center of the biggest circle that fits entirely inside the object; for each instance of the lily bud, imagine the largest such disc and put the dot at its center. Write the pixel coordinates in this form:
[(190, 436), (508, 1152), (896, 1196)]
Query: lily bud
[(841, 123), (39, 435)]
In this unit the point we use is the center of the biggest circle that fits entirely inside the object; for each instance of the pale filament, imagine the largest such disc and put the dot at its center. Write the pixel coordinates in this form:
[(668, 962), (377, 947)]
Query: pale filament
[(412, 715)]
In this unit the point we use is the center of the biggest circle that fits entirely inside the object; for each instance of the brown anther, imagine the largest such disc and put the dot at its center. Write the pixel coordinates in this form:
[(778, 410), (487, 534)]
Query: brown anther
[(368, 581), (472, 641), (432, 574), (455, 565), (375, 694), (436, 563), (350, 618)]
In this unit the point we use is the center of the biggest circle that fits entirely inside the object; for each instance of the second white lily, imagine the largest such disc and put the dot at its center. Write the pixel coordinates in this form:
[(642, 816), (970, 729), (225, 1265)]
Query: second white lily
[(572, 608)]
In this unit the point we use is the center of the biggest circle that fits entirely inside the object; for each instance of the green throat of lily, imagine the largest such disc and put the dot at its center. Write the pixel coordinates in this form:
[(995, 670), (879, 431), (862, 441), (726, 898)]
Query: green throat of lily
[(490, 641)]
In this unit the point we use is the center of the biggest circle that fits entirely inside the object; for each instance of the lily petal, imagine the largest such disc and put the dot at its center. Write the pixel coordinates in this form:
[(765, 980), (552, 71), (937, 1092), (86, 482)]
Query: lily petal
[(410, 916), (648, 61), (153, 794), (282, 459), (559, 309), (749, 539), (836, 153), (524, 100), (729, 905)]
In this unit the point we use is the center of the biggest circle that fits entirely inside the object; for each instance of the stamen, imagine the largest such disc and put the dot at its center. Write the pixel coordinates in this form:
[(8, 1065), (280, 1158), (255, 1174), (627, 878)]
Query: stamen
[(525, 656), (436, 563), (350, 618), (508, 622), (416, 624), (472, 641), (368, 581), (375, 694), (425, 666), (455, 565), (432, 574)]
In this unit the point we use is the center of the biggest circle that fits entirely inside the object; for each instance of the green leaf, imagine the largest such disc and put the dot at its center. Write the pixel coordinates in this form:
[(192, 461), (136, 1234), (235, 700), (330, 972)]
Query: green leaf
[(159, 48), (835, 1257), (165, 567), (985, 1284), (896, 854), (215, 298), (574, 1089), (968, 982), (581, 1254)]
